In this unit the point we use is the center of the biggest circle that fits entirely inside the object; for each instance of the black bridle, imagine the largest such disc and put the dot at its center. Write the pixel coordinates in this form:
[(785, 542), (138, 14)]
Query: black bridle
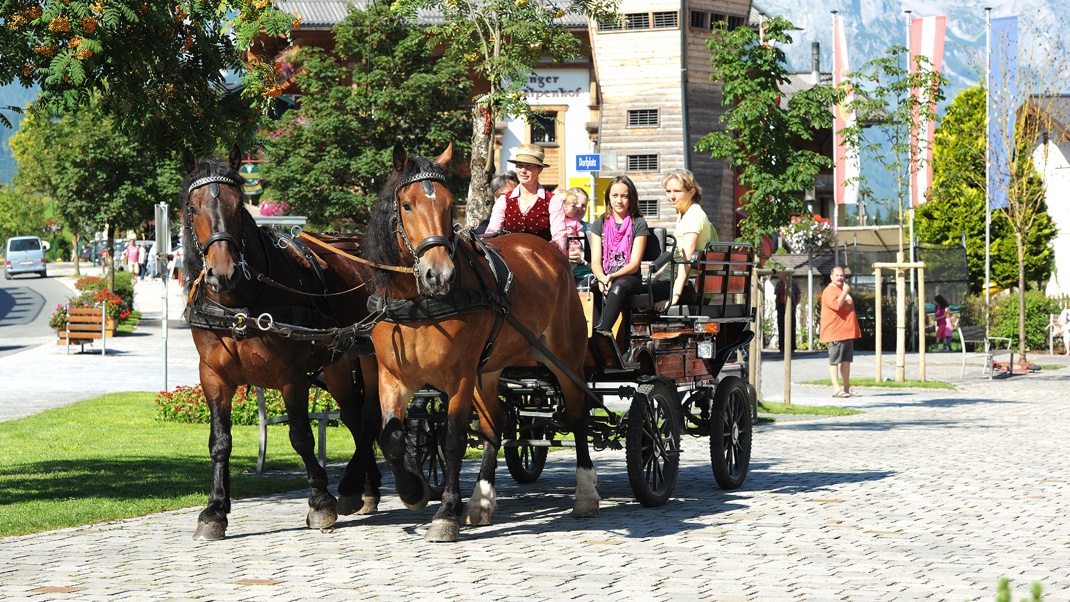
[(213, 181), (425, 178)]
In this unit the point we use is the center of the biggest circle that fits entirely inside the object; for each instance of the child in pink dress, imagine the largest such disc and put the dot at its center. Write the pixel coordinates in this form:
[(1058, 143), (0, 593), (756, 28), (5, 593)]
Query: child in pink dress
[(943, 325)]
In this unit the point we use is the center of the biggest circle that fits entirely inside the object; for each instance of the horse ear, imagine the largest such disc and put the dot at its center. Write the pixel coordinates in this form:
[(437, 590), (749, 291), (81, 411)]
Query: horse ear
[(234, 158), (446, 156), (189, 160), (401, 158)]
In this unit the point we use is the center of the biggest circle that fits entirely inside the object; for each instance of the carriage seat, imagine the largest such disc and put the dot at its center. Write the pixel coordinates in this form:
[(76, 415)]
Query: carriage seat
[(655, 256), (722, 283)]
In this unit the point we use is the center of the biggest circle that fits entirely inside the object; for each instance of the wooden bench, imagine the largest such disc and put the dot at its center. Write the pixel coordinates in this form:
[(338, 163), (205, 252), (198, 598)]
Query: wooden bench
[(975, 335), (84, 325), (722, 283), (264, 421)]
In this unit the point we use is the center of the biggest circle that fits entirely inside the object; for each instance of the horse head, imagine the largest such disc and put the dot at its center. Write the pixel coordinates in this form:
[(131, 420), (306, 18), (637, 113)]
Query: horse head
[(215, 220), (424, 211)]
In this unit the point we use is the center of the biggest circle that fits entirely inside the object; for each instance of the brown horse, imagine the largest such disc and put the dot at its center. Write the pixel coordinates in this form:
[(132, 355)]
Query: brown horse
[(243, 281), (412, 226)]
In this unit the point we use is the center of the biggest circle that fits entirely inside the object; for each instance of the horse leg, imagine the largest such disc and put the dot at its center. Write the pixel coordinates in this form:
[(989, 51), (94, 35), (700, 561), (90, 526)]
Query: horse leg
[(445, 526), (322, 506), (394, 401), (587, 497), (212, 523), (362, 420), (484, 499)]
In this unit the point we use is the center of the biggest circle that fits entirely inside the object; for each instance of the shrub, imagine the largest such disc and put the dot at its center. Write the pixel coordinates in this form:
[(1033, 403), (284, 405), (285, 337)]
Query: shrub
[(1037, 308), (188, 404)]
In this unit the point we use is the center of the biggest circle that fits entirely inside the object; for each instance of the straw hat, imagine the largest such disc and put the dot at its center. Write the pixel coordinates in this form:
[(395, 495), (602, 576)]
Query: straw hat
[(529, 153)]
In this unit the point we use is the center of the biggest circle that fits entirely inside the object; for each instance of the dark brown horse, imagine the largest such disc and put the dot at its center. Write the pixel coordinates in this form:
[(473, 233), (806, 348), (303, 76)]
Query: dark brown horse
[(412, 226), (242, 282)]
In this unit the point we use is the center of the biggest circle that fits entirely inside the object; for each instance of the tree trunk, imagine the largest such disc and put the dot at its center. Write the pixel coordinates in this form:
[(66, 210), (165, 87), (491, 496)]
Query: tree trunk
[(76, 243), (481, 164), (1019, 239), (109, 258)]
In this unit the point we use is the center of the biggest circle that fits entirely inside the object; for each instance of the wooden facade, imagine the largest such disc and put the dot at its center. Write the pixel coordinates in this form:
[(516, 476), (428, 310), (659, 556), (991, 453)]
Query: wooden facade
[(656, 59)]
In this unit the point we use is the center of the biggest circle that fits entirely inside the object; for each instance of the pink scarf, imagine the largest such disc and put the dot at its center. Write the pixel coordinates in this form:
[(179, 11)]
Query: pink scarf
[(616, 244)]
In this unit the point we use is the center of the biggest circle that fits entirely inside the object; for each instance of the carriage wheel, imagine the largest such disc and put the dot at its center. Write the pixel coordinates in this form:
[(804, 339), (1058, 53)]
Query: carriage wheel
[(730, 432), (424, 437), (652, 445), (525, 462)]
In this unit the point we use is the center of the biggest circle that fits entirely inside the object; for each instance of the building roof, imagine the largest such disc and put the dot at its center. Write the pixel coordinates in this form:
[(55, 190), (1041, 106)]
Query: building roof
[(324, 14)]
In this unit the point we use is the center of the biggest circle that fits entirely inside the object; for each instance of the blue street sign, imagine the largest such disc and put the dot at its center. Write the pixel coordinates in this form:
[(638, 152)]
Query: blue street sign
[(588, 162)]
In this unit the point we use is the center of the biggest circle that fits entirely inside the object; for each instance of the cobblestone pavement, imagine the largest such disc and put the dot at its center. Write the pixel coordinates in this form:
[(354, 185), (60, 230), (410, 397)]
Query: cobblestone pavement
[(927, 495)]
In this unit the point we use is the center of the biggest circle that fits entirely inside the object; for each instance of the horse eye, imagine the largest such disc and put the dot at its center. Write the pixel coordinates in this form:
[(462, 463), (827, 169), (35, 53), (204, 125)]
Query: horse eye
[(406, 206)]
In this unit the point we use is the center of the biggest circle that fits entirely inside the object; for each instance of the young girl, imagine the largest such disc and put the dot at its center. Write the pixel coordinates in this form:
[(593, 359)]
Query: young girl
[(618, 240), (943, 325)]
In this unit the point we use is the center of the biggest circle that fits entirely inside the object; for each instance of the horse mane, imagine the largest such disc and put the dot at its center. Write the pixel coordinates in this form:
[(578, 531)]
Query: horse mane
[(192, 262), (381, 243)]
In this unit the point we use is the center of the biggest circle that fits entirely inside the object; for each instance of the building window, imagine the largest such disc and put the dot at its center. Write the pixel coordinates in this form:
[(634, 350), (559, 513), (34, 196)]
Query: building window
[(643, 118), (646, 20), (637, 21), (642, 163), (700, 19), (666, 20), (543, 127), (736, 21), (650, 208)]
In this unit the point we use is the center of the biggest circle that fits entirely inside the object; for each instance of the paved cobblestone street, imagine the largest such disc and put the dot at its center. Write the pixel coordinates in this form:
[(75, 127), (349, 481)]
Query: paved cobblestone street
[(927, 495)]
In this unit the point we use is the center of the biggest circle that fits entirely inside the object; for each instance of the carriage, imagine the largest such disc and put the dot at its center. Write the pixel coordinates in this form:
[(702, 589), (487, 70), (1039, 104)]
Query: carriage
[(664, 375), (436, 294)]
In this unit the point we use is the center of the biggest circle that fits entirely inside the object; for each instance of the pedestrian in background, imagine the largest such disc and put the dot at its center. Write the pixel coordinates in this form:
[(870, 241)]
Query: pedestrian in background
[(143, 260), (943, 325), (839, 328), (132, 259)]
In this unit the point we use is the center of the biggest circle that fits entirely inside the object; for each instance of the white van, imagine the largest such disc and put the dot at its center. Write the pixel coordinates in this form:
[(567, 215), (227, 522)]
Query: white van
[(24, 254)]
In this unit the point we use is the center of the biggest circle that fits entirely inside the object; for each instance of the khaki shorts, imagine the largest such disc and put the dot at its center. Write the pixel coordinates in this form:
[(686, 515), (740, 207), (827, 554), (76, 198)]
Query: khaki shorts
[(841, 351)]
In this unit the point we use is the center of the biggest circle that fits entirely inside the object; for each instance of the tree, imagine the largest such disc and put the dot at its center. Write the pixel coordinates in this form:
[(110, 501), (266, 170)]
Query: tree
[(502, 41), (759, 136), (891, 97), (380, 84), (957, 197), (20, 213), (156, 68), (99, 178)]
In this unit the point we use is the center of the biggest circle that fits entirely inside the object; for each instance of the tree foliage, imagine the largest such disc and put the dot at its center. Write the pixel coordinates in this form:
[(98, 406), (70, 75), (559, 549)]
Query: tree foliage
[(21, 214), (379, 86), (502, 41), (760, 136), (99, 179), (156, 68), (888, 97), (957, 200)]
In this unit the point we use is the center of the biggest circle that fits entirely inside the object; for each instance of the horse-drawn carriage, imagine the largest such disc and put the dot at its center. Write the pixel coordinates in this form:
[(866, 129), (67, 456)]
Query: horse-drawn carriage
[(459, 323)]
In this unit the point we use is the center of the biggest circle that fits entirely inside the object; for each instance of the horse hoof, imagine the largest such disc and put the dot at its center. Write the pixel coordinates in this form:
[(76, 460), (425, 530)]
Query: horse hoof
[(478, 517), (210, 532), (320, 519), (424, 498), (585, 508), (443, 530), (348, 505)]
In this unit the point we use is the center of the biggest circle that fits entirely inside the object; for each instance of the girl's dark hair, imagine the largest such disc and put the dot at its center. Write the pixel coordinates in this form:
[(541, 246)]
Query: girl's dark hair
[(633, 197), (941, 301)]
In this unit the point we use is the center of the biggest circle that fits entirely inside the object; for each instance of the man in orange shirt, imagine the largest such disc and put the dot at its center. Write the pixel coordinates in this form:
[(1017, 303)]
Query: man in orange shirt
[(839, 328)]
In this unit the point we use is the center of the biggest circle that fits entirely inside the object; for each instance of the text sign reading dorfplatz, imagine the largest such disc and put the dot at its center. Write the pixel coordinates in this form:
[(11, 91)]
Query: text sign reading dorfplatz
[(588, 162)]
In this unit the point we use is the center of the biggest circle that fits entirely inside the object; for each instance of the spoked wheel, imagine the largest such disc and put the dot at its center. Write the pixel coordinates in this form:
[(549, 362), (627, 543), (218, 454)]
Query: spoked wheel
[(525, 462), (730, 432), (425, 433), (652, 445)]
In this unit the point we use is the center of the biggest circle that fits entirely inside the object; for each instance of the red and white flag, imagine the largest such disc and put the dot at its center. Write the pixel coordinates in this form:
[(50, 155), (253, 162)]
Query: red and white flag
[(847, 163), (926, 39)]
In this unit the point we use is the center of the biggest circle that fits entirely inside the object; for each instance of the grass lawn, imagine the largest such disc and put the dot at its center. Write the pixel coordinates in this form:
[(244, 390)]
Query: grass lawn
[(1051, 366), (906, 384), (108, 458), (772, 407)]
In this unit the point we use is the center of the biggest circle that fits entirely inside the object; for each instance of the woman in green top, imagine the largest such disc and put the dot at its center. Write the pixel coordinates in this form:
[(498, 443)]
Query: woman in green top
[(693, 231)]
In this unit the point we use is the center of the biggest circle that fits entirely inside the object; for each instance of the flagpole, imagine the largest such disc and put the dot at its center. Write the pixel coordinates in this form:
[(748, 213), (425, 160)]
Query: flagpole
[(835, 150), (988, 166)]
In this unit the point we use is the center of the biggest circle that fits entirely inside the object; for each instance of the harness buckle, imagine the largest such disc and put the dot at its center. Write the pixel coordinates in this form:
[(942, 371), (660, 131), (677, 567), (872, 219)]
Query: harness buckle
[(261, 318), (241, 326)]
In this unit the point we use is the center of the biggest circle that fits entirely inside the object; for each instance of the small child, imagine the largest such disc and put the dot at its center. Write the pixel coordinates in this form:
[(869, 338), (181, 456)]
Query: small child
[(943, 325)]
